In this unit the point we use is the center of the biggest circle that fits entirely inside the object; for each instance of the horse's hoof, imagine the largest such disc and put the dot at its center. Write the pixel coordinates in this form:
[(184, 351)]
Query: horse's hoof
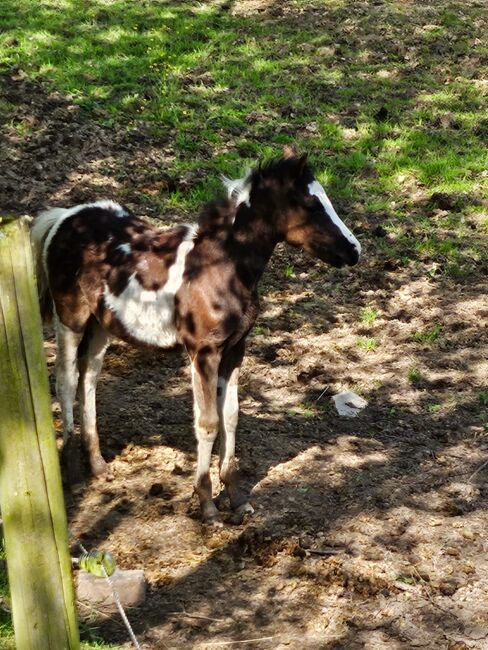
[(222, 500), (240, 513), (100, 468), (213, 521)]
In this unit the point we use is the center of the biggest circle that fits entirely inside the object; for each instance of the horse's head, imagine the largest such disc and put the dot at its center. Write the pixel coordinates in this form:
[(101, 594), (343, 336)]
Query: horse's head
[(302, 211)]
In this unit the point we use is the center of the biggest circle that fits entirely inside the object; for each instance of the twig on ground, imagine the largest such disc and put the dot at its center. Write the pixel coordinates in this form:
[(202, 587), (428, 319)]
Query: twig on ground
[(262, 638), (201, 616), (329, 550), (482, 466)]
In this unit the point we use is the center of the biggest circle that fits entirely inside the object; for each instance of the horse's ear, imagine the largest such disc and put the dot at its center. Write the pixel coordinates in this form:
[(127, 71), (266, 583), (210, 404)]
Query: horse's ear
[(300, 167), (302, 162), (289, 151)]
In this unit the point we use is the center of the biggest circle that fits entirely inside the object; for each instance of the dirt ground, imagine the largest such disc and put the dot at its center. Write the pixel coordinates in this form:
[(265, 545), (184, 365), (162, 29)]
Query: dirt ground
[(370, 532)]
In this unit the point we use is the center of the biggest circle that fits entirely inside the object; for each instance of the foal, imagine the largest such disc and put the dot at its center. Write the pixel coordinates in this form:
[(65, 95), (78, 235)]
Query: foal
[(110, 273)]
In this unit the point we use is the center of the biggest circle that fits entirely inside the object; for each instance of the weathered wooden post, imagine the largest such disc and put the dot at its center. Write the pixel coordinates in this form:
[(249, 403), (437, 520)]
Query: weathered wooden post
[(31, 497)]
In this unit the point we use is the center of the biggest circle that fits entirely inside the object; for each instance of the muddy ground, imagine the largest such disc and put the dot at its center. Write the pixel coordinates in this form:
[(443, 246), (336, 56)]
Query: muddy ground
[(369, 532)]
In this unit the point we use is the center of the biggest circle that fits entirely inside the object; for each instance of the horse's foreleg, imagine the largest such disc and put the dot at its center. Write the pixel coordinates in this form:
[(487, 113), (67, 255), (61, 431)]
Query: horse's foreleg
[(229, 413), (90, 366), (66, 373), (204, 382)]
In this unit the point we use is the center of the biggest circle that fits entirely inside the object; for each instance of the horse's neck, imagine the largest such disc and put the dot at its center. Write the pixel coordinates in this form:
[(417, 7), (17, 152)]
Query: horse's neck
[(254, 240)]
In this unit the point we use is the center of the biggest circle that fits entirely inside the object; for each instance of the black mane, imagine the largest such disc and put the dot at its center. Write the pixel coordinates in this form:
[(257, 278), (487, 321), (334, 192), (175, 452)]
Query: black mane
[(217, 214), (284, 169), (221, 212)]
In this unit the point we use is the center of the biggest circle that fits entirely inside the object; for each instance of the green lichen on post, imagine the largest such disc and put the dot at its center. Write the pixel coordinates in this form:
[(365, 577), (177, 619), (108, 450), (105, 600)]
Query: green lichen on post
[(31, 496)]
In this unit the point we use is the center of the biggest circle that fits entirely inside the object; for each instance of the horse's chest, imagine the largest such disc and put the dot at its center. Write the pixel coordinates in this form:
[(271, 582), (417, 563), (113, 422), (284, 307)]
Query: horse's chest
[(143, 314)]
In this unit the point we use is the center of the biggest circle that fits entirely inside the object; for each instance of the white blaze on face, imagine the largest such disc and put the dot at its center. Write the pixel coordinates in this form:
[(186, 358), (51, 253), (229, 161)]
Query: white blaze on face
[(317, 190), (149, 316)]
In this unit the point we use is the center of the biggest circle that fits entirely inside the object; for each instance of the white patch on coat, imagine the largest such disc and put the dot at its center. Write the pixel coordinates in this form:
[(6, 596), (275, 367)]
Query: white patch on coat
[(47, 223), (107, 204), (239, 189), (149, 316), (125, 248), (317, 190)]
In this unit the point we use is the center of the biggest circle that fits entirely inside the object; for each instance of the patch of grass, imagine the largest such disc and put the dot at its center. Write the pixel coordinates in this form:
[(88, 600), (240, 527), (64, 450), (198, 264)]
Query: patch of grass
[(261, 330), (289, 272), (367, 343), (414, 375), (483, 397), (6, 628), (407, 580), (369, 315), (305, 410), (222, 88), (429, 335), (7, 640), (434, 408)]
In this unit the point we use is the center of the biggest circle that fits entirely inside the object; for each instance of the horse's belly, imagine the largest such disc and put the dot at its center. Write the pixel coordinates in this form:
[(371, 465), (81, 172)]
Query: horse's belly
[(146, 316)]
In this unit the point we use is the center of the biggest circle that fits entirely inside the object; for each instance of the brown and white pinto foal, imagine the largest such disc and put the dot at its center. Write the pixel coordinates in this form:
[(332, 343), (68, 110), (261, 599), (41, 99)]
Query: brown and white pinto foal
[(110, 273)]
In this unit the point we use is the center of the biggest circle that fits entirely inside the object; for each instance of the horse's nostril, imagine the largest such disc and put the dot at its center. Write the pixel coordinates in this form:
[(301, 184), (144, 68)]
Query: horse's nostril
[(354, 258)]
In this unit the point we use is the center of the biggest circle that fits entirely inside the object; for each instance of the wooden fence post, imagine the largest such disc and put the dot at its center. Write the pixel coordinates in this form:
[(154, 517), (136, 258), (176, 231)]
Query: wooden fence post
[(31, 496)]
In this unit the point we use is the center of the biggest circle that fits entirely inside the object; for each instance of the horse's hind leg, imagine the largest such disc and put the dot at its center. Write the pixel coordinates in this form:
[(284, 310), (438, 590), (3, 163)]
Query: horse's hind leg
[(228, 403), (90, 365), (67, 373)]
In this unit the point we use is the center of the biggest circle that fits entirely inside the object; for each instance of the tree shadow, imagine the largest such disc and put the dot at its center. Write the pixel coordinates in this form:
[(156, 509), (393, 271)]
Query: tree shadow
[(372, 73), (308, 507)]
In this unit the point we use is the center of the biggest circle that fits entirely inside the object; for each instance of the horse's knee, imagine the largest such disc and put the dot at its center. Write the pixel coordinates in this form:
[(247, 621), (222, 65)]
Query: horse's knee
[(207, 428)]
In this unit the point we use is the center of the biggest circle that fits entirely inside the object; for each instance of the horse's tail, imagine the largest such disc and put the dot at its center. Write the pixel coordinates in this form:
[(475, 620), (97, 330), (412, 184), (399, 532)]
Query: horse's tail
[(42, 227)]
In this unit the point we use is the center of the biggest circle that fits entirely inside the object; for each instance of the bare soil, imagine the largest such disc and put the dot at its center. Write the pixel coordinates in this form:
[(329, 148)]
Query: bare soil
[(370, 532)]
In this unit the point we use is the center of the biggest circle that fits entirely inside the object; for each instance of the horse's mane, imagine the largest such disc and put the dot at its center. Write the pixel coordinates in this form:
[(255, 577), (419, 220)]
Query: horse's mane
[(284, 169), (217, 214), (221, 212)]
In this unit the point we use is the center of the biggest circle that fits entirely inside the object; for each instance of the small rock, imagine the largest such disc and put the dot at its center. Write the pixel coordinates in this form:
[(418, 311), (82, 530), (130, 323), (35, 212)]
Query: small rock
[(349, 404), (451, 550), (130, 586), (448, 587)]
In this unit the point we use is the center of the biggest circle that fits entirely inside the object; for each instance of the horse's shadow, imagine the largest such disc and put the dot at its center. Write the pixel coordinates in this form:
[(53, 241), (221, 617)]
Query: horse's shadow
[(299, 504)]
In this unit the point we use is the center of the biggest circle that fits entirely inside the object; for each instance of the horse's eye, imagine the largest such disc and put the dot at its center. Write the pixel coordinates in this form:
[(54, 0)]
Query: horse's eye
[(313, 203)]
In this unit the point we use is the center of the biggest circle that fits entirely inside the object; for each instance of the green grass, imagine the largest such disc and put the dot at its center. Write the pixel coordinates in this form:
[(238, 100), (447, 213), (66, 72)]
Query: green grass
[(6, 628), (414, 375), (369, 315), (7, 641), (388, 100), (289, 272), (428, 335), (367, 343), (310, 409), (227, 89)]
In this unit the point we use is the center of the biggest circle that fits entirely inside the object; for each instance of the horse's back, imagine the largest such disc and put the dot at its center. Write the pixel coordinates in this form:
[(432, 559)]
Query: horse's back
[(102, 260)]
